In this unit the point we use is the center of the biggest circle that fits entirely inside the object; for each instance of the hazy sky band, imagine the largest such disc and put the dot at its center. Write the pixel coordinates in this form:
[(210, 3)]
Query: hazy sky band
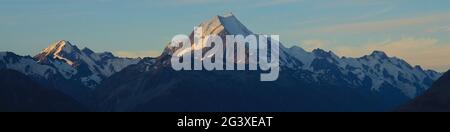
[(415, 30)]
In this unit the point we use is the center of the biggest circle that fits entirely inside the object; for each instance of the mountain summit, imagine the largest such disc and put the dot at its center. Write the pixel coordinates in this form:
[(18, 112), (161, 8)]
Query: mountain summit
[(221, 25), (61, 45), (59, 50), (82, 65)]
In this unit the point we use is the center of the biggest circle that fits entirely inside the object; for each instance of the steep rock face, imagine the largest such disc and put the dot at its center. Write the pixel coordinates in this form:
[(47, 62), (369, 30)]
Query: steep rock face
[(18, 93), (309, 81), (435, 99)]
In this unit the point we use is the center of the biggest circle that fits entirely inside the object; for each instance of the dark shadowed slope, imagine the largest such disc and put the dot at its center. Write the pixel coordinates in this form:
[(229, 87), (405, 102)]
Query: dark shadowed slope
[(436, 99), (18, 93)]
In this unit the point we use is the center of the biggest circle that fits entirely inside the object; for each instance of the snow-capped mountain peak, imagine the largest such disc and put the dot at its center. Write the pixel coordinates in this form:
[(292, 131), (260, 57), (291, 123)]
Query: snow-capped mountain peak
[(221, 26), (60, 50), (233, 25), (324, 54), (379, 54), (84, 65), (58, 47)]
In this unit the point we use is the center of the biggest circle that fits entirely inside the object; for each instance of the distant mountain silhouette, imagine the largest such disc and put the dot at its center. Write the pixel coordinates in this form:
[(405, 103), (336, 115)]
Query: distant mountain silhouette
[(18, 93), (436, 99)]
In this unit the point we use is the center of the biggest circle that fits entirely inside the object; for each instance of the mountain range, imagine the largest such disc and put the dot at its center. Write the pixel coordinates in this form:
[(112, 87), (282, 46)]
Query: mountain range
[(309, 81), (65, 67)]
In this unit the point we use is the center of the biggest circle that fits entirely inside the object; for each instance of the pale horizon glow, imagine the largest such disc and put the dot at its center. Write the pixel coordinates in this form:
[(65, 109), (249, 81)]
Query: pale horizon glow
[(414, 30)]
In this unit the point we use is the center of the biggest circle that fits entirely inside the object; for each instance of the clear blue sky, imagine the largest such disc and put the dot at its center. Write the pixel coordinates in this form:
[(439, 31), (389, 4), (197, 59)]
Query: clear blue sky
[(416, 30)]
